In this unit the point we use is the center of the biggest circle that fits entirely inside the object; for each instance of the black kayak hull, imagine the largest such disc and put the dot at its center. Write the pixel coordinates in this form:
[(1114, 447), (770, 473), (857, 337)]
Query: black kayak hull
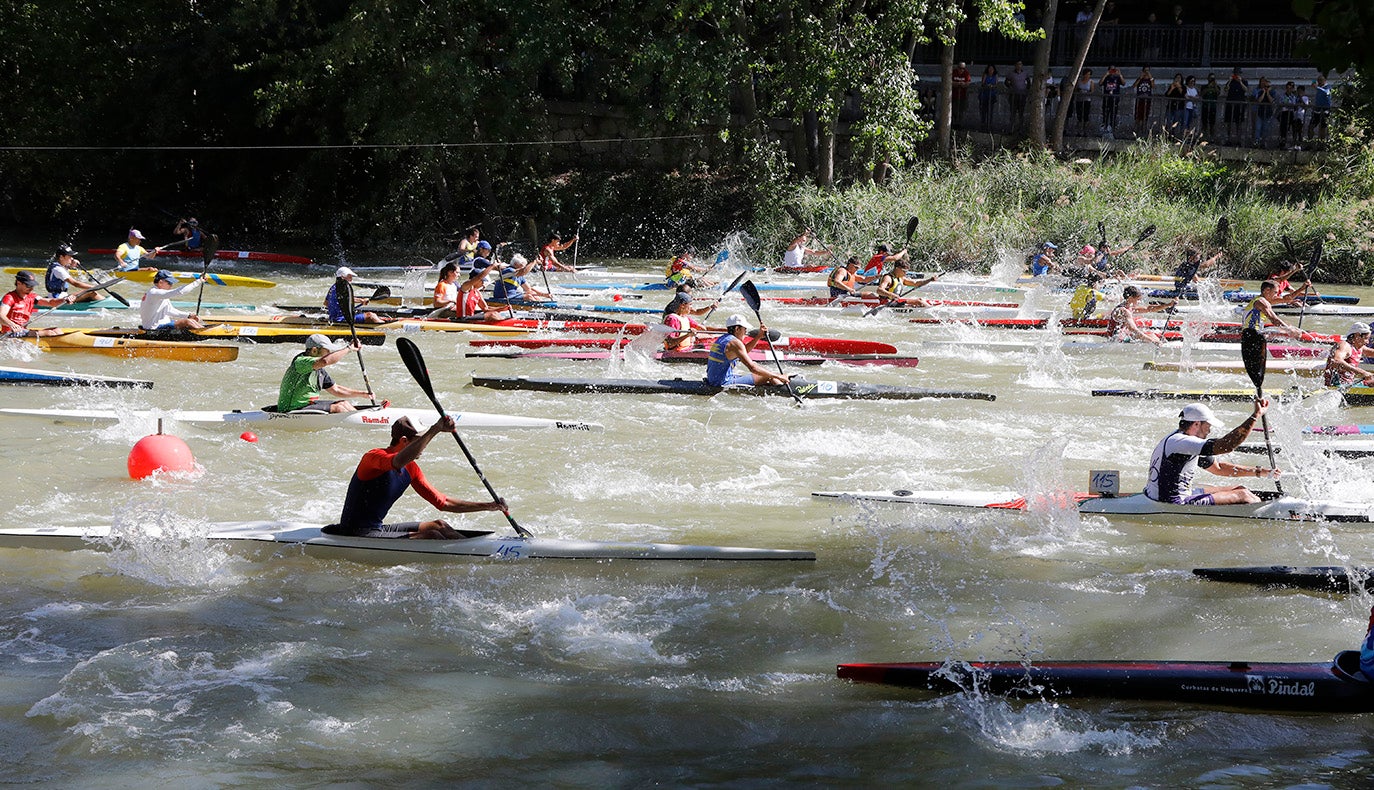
[(803, 388), (1336, 687), (1322, 578)]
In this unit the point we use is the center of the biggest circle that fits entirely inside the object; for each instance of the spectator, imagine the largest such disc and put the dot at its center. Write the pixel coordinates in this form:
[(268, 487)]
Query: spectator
[(1144, 92), (1174, 106), (1052, 91), (1112, 85), (1321, 108), (1018, 84), (959, 82), (1264, 111), (1300, 116), (1237, 92), (1211, 95), (1083, 100), (1287, 111), (1190, 105), (987, 96)]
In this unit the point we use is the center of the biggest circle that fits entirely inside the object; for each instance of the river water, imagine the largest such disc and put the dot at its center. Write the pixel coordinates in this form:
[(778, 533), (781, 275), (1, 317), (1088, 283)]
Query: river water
[(172, 661)]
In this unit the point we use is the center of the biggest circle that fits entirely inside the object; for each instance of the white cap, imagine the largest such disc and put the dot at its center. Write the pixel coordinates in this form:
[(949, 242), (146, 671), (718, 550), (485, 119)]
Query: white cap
[(135, 234), (343, 271), (1198, 412), (1358, 328), (320, 341), (736, 320)]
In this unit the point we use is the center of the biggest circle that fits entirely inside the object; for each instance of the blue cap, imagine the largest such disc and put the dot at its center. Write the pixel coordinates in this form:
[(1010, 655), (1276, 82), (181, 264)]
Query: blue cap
[(1049, 245), (483, 245), (163, 274)]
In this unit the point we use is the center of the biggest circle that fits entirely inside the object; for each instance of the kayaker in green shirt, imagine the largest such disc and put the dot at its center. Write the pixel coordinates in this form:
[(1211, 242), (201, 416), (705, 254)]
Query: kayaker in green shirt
[(306, 378)]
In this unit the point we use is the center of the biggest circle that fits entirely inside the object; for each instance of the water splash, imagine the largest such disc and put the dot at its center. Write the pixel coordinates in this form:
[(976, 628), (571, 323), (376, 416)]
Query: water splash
[(150, 542)]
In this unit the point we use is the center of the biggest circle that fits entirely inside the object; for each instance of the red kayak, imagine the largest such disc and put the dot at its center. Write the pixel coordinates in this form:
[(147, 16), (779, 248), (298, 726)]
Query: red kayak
[(1297, 352), (595, 327), (815, 268), (817, 345), (872, 301), (699, 357), (228, 255), (989, 323), (1146, 323)]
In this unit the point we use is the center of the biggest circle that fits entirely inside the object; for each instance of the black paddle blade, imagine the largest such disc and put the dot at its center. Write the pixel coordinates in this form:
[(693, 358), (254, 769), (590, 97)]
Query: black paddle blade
[(1315, 259), (381, 292), (209, 249), (1223, 231), (750, 292), (343, 291), (1145, 234), (1102, 233), (1254, 352), (1289, 248), (734, 283), (911, 226), (415, 363), (795, 214)]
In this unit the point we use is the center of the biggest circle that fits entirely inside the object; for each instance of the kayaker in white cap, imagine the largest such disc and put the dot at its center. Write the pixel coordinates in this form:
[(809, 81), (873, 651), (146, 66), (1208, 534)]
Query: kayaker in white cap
[(1343, 361), (156, 311), (336, 310), (1180, 454), (731, 348), (306, 378)]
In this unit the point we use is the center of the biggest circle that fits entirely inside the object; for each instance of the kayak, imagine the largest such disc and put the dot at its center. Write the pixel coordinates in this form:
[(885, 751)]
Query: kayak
[(1200, 394), (805, 389), (1300, 368), (871, 300), (57, 378), (313, 324), (1245, 296), (1346, 310), (111, 303), (243, 334), (228, 255), (1334, 687), (1271, 507), (1327, 445), (364, 417), (1077, 343), (140, 276), (269, 536), (134, 348), (667, 286), (1324, 578), (986, 323), (819, 345), (699, 357)]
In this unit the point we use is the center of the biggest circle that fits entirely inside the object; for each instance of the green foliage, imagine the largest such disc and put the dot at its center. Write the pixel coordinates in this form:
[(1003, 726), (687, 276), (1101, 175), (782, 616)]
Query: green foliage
[(1193, 178)]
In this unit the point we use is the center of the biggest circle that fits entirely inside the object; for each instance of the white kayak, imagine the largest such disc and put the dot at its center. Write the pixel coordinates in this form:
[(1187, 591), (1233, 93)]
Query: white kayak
[(1300, 367), (276, 534), (1274, 507), (1077, 343), (1346, 310), (1356, 447), (381, 417)]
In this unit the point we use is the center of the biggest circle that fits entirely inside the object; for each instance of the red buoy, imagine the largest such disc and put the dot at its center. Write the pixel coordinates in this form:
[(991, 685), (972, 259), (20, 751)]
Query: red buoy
[(160, 452), (248, 436)]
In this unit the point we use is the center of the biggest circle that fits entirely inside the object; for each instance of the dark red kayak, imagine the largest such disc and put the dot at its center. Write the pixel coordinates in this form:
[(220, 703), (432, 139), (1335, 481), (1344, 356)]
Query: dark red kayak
[(818, 345), (872, 301), (989, 323), (1337, 686), (698, 356), (228, 255)]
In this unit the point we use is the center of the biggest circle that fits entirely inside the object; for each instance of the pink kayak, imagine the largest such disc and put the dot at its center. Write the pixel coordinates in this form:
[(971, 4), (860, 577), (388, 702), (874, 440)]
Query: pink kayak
[(699, 357), (819, 345)]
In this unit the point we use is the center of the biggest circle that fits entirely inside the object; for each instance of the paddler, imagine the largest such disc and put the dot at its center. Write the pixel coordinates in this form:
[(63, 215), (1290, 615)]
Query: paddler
[(680, 269), (59, 277), (731, 348), (896, 278), (1343, 361), (1190, 271), (844, 280), (1042, 262), (1180, 454), (156, 311), (336, 310), (191, 238), (130, 254), (1122, 324), (445, 301), (882, 256), (548, 258), (472, 306), (795, 256), (382, 477), (306, 378), (683, 328), (512, 287), (17, 307), (1262, 307)]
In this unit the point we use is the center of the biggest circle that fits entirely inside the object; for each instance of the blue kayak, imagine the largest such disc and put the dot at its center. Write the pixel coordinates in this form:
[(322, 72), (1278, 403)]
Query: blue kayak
[(664, 286), (57, 378), (1245, 296)]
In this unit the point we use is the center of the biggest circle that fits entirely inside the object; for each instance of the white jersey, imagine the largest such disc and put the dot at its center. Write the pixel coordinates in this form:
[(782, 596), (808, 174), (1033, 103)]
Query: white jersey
[(792, 259), (156, 309), (1175, 461)]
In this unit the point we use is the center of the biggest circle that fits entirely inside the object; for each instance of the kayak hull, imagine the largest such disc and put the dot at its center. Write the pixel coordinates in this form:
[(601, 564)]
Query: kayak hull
[(134, 348), (1321, 578), (242, 334), (140, 276), (818, 345), (228, 255), (1335, 687), (805, 389), (302, 421), (276, 536), (699, 357), (57, 378)]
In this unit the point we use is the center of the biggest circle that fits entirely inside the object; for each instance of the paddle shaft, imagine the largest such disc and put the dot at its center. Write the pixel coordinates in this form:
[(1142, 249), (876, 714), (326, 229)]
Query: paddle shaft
[(78, 296), (415, 363), (105, 285), (208, 253), (751, 297), (728, 289), (1254, 350), (343, 290)]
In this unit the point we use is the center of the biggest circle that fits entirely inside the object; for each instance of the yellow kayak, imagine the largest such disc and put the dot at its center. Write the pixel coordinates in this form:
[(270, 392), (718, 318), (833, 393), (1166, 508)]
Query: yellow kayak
[(1301, 367), (1225, 285), (230, 280), (131, 348), (245, 334)]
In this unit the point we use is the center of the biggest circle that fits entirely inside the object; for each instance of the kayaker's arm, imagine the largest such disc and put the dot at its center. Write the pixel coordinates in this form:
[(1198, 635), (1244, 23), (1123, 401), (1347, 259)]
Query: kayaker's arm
[(1224, 469), (1241, 432)]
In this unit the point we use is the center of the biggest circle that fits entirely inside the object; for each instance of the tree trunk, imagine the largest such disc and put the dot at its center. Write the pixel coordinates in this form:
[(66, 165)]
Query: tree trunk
[(1040, 75), (1057, 138), (944, 113), (825, 154)]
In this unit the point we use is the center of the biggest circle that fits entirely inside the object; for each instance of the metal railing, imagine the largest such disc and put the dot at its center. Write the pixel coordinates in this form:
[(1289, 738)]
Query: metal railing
[(1201, 46)]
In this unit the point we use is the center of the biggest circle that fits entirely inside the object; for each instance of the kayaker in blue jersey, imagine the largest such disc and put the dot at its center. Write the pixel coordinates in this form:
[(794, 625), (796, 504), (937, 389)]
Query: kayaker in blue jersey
[(1262, 307), (336, 310), (511, 285), (1180, 454), (1190, 271), (306, 378), (58, 279), (191, 239), (729, 349), (385, 473), (1042, 262)]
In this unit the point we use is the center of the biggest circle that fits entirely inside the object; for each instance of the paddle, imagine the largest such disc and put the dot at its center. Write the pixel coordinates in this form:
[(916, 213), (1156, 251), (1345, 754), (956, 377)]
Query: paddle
[(577, 238), (911, 226), (727, 290), (208, 251), (106, 284), (750, 292), (1307, 272), (344, 291), (415, 363), (1101, 234), (1145, 234), (103, 286), (1254, 351)]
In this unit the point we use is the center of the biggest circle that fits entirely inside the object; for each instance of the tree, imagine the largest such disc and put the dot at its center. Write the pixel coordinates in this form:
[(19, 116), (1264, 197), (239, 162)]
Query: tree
[(1067, 95), (946, 16)]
